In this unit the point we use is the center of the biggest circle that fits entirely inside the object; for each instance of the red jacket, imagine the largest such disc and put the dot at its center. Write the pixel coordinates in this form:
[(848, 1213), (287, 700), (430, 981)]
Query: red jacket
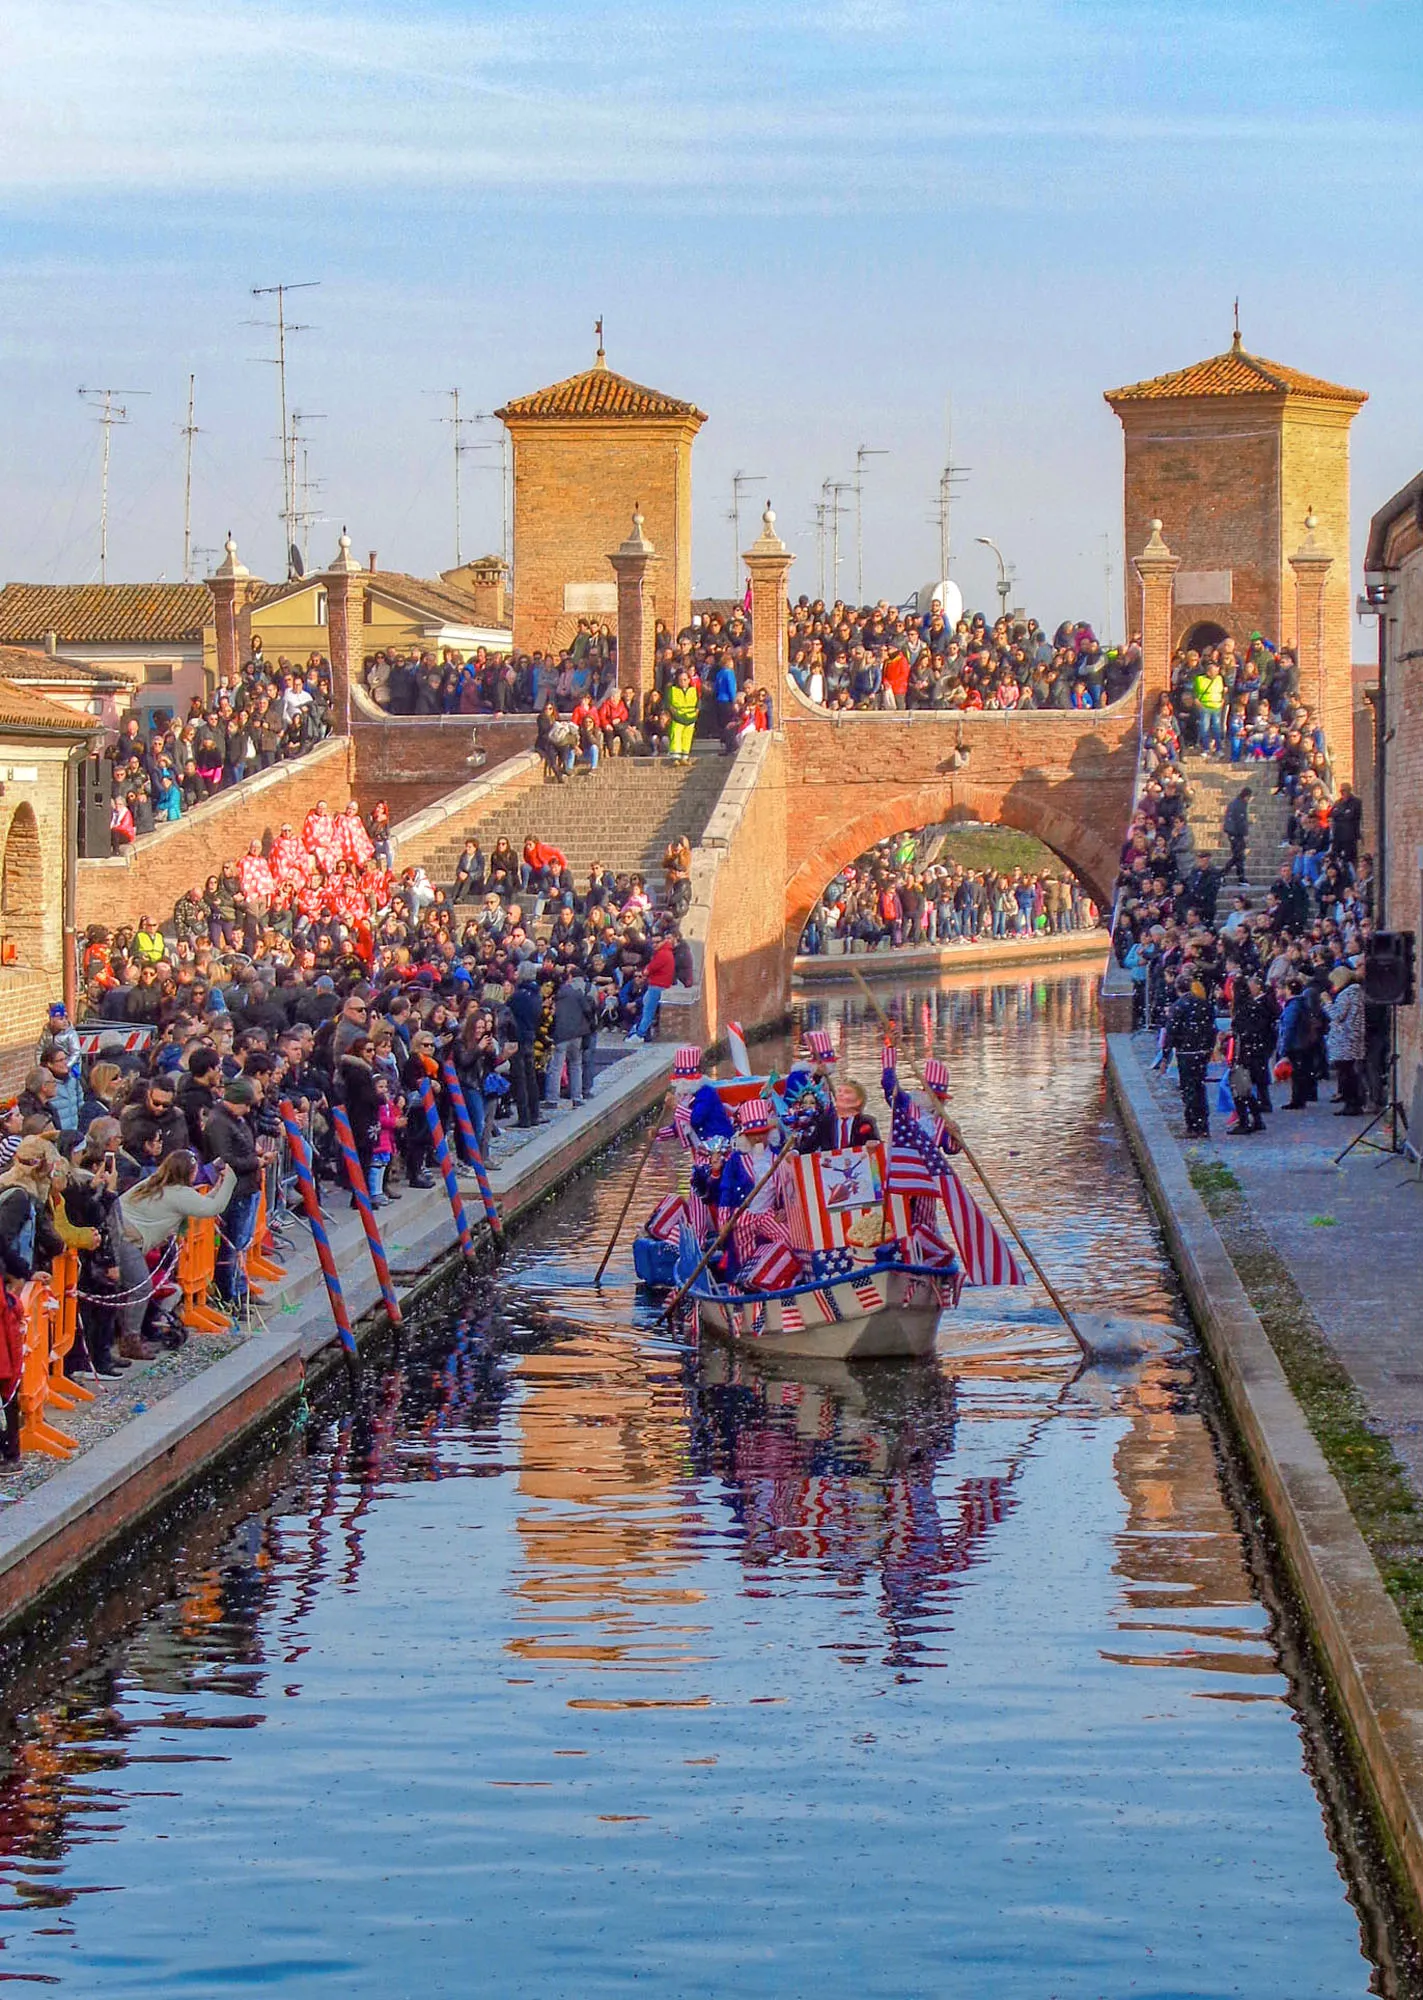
[(662, 966)]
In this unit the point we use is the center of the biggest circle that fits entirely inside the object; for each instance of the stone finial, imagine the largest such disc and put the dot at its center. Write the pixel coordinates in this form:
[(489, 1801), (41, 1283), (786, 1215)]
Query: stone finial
[(231, 566), (1313, 550), (1155, 545), (768, 542), (637, 543), (345, 563)]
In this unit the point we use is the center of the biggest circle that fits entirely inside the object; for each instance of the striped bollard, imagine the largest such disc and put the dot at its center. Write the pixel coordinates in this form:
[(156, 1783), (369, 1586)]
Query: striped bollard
[(301, 1160), (464, 1126), (446, 1166), (356, 1175)]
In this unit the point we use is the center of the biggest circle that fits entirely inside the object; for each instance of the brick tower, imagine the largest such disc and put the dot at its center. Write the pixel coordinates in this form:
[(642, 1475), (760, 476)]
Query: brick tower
[(587, 452), (1233, 454)]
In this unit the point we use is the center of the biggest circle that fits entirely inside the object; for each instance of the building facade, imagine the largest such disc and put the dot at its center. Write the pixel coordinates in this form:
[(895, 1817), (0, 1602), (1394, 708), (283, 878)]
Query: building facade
[(1394, 572), (147, 636), (1246, 462), (588, 453)]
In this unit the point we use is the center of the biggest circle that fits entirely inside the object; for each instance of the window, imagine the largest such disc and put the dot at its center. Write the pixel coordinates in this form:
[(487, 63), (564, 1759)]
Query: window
[(321, 602), (158, 674)]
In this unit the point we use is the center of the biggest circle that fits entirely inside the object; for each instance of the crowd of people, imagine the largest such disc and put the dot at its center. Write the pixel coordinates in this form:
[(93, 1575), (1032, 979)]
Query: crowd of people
[(871, 657), (1242, 706), (883, 658), (262, 716), (1277, 992), (894, 895)]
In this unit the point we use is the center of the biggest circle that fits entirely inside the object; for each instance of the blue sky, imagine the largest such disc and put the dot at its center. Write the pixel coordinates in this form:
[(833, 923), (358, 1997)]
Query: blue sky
[(819, 221)]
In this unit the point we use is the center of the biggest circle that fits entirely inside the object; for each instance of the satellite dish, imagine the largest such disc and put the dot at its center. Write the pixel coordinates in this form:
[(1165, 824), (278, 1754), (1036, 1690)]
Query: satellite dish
[(295, 565), (949, 596)]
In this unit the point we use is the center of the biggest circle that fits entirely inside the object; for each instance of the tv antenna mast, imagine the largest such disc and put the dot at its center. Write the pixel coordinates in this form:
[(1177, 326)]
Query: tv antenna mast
[(862, 452), (303, 486), (489, 417), (832, 489), (738, 481), (951, 476), (458, 425), (188, 431), (109, 414), (283, 328)]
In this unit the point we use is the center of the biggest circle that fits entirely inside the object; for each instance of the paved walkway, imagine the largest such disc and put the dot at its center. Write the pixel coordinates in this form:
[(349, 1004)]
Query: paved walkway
[(1351, 1236)]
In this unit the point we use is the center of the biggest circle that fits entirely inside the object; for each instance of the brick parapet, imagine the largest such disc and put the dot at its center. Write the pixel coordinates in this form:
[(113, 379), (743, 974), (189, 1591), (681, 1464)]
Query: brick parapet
[(148, 878)]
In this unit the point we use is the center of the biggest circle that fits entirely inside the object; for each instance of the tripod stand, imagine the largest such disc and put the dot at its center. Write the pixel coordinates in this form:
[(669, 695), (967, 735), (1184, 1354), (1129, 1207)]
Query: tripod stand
[(1392, 1110)]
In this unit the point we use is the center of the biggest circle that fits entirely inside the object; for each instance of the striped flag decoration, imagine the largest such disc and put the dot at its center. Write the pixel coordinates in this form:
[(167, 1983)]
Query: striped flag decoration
[(830, 1192), (129, 1039), (867, 1292), (665, 1221), (772, 1268), (914, 1164), (736, 1042), (986, 1256), (792, 1318)]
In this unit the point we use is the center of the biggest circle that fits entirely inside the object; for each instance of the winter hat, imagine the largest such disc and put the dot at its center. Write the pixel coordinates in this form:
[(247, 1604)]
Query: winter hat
[(241, 1090)]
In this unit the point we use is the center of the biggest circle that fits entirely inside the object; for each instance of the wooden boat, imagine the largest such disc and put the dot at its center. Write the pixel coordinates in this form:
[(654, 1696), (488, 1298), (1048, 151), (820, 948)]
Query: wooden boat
[(877, 1312)]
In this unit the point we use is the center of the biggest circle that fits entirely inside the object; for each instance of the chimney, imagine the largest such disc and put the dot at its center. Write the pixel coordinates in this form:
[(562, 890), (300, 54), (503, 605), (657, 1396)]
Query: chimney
[(486, 582), (373, 562), (51, 644)]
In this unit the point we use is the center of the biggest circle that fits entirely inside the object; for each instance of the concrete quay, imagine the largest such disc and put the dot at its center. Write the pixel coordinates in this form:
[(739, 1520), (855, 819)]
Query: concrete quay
[(78, 1514), (1089, 948), (1375, 1675)]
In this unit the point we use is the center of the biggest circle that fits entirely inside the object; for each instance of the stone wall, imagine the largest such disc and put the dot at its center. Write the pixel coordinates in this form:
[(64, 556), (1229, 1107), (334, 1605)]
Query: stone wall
[(1404, 791), (575, 487), (735, 925), (148, 878), (410, 761)]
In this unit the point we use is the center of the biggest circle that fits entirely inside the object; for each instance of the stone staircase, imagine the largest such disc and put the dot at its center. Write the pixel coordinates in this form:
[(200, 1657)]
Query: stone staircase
[(623, 814), (1213, 786)]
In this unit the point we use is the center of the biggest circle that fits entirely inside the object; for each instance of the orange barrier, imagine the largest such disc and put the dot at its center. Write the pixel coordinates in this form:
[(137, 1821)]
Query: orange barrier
[(255, 1259), (197, 1260), (39, 1306), (64, 1283)]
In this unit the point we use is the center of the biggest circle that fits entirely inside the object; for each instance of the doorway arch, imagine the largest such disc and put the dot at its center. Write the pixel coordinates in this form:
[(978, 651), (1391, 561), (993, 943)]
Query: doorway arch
[(1204, 635)]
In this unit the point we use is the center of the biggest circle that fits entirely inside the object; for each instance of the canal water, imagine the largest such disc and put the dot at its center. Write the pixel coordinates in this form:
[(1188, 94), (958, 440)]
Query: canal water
[(574, 1662)]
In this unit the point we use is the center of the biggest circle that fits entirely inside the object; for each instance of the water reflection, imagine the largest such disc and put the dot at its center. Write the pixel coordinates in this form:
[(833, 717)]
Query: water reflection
[(573, 1661)]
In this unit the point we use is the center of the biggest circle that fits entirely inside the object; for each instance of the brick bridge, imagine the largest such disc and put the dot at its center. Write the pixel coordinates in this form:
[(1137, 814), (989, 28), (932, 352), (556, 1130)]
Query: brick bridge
[(849, 781)]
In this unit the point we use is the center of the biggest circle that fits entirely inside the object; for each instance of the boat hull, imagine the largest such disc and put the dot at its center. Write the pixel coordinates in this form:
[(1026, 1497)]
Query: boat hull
[(832, 1322)]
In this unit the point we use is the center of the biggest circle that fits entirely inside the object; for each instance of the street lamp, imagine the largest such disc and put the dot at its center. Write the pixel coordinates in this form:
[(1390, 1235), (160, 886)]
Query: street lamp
[(1004, 585)]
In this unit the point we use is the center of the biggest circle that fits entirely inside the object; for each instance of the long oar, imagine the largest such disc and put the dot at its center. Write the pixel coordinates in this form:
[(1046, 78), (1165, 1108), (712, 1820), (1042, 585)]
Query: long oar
[(632, 1191), (717, 1241), (993, 1195)]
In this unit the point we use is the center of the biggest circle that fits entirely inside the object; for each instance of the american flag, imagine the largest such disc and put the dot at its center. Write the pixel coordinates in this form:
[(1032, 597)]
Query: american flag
[(986, 1256), (665, 1221), (792, 1318), (829, 1264), (914, 1165), (774, 1266), (867, 1292)]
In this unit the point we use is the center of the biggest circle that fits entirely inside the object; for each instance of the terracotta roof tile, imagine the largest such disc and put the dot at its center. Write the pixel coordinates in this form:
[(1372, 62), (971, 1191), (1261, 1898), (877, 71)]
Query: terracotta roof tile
[(101, 613), (32, 663), (599, 392), (1235, 373), (20, 709)]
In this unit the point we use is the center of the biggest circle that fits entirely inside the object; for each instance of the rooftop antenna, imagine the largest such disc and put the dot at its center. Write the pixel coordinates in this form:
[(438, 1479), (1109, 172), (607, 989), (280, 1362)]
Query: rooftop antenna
[(283, 327), (951, 476), (1235, 340), (189, 432), (303, 514), (820, 511), (862, 452), (834, 488), (458, 425), (738, 480), (109, 414), (489, 417), (602, 360)]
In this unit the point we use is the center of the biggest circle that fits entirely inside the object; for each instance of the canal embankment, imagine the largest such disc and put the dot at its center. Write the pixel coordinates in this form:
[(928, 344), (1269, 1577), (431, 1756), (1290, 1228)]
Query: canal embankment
[(77, 1515), (1340, 1503), (838, 966)]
